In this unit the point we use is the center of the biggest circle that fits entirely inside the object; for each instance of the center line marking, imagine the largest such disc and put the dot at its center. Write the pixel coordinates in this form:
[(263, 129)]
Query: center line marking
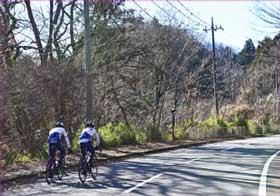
[(229, 148), (262, 186), (142, 183)]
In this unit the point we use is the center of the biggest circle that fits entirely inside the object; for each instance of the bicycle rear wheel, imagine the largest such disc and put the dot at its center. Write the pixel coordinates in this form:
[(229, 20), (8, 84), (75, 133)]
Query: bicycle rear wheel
[(60, 170), (82, 170), (50, 172)]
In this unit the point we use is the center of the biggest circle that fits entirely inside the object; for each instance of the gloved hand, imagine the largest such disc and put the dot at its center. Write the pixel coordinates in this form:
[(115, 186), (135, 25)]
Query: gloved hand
[(70, 151)]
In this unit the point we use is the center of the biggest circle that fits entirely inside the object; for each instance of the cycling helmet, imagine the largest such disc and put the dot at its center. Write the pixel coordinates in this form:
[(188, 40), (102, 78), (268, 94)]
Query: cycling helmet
[(59, 124), (89, 124)]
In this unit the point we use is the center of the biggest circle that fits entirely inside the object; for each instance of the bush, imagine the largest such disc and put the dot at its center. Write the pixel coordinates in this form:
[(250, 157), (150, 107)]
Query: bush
[(142, 136), (76, 141), (111, 135), (215, 126), (23, 158), (237, 113), (166, 136), (180, 133), (117, 135), (11, 157), (43, 153)]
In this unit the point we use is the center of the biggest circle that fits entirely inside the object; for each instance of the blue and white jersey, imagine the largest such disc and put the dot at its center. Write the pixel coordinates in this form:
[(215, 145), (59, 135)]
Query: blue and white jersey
[(87, 134), (55, 136)]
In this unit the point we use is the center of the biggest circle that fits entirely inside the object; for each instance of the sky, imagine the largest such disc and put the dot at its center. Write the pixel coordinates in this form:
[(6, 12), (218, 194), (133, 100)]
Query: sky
[(236, 17)]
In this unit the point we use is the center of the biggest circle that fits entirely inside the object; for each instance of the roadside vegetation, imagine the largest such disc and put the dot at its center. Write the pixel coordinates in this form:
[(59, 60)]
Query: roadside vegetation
[(142, 69)]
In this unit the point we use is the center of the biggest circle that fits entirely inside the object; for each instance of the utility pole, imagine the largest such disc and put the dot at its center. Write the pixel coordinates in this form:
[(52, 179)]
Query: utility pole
[(213, 29), (87, 68), (277, 74), (276, 89), (173, 111)]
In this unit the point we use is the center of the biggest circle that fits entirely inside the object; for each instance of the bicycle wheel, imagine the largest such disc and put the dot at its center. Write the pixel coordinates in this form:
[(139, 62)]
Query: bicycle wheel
[(94, 169), (82, 170), (50, 170), (60, 170)]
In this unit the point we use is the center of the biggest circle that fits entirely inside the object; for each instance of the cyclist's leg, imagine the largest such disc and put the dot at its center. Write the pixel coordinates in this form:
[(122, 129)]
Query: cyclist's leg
[(62, 152), (83, 149), (92, 153), (52, 149)]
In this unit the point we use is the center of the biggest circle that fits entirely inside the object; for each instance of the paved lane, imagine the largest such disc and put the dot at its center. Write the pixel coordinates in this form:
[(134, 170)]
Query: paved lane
[(227, 168), (273, 182)]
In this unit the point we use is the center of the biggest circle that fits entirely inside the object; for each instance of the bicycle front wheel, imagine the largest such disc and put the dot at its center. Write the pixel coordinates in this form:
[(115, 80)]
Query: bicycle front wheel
[(94, 169)]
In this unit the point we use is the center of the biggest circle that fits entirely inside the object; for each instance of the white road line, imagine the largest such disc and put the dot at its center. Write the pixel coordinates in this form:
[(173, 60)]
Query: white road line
[(262, 185), (229, 148), (142, 183), (196, 159), (158, 175)]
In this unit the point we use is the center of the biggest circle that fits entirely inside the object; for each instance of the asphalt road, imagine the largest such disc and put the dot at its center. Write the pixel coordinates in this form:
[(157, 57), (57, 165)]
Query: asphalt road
[(234, 168)]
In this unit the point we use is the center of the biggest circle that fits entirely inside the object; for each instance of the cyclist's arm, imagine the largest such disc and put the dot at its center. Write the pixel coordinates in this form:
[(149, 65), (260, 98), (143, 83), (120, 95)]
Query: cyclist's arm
[(97, 138), (66, 139)]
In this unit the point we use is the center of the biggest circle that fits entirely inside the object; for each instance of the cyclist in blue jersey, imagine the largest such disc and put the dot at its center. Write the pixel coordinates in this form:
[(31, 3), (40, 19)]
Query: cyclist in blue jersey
[(54, 140), (86, 140)]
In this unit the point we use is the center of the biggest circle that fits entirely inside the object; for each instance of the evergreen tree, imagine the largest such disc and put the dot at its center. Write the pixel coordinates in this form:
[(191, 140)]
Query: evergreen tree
[(246, 56)]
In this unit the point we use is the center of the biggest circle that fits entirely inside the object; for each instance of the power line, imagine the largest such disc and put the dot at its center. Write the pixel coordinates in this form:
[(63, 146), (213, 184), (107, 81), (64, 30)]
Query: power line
[(142, 9), (191, 19), (186, 42), (188, 10), (163, 10), (197, 23)]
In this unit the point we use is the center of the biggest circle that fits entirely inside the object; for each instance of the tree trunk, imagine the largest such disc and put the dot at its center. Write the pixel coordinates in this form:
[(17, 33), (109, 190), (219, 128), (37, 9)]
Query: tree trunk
[(119, 104), (48, 49), (155, 133), (35, 31)]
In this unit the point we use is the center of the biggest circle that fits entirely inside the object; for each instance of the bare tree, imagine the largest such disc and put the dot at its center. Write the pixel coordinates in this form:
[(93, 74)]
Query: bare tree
[(269, 13)]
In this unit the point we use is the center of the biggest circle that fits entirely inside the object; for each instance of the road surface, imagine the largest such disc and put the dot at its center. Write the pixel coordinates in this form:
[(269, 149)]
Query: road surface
[(236, 168)]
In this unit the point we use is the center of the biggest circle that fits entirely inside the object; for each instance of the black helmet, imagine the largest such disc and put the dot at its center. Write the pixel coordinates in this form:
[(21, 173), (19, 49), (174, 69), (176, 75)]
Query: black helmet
[(89, 124), (59, 124)]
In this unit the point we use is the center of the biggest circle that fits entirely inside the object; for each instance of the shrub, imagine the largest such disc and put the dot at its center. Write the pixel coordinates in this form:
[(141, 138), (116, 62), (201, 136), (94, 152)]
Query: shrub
[(166, 136), (23, 158), (12, 157), (117, 135), (214, 126), (142, 136), (43, 153), (180, 133), (76, 141), (237, 113)]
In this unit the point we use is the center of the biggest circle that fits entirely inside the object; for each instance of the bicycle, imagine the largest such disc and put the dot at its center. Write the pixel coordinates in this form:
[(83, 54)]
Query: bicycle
[(54, 167), (85, 168)]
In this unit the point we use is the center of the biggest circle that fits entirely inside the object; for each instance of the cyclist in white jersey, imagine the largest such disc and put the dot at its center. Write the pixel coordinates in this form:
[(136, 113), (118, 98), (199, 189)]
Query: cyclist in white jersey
[(86, 144), (54, 140)]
